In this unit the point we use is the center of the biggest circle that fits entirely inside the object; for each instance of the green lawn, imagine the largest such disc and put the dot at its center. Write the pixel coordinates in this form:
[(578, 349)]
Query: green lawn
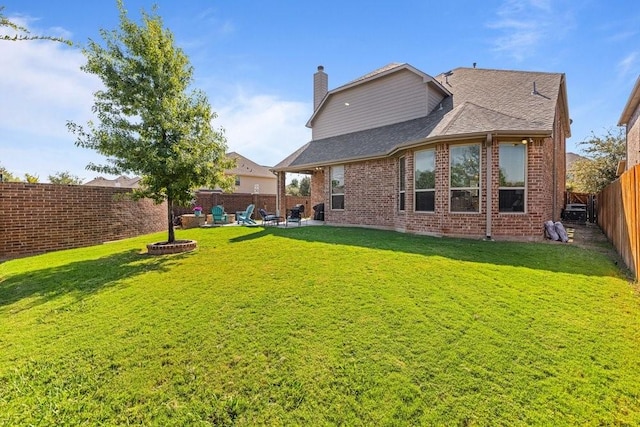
[(319, 326)]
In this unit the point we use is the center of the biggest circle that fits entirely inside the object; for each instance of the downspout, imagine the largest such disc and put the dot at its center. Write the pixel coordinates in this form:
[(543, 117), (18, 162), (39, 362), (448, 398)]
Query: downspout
[(489, 185), (278, 193), (555, 180)]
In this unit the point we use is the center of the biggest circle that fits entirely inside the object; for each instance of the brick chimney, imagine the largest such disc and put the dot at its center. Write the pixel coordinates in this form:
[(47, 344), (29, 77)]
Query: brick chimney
[(320, 86)]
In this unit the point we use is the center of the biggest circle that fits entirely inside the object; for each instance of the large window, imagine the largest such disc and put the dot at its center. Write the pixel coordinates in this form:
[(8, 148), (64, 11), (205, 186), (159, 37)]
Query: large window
[(337, 187), (425, 176), (464, 173), (403, 184), (513, 160)]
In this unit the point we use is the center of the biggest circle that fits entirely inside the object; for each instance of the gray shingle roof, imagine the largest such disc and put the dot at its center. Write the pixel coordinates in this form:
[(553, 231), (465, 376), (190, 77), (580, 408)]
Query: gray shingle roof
[(632, 104), (246, 167), (483, 101)]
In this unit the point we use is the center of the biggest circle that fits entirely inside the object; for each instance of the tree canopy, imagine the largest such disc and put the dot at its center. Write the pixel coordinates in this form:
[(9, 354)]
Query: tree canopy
[(31, 179), (149, 123), (65, 178), (602, 155), (299, 188), (6, 176)]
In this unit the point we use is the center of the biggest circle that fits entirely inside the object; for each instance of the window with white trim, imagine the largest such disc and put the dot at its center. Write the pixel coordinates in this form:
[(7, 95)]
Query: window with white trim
[(464, 178), (337, 187), (425, 180), (402, 184), (512, 191)]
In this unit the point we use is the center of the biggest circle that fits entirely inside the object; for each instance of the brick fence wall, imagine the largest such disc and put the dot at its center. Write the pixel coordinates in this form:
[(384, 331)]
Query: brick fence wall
[(37, 218)]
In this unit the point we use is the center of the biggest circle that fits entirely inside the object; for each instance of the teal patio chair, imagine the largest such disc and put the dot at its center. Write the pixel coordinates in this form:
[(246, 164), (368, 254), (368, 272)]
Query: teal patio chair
[(219, 216), (245, 217)]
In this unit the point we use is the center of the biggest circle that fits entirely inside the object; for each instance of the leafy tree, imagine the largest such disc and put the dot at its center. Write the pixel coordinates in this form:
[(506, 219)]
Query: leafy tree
[(425, 179), (305, 186), (293, 189), (21, 33), (7, 176), (149, 124), (465, 169), (598, 169), (65, 178), (31, 179)]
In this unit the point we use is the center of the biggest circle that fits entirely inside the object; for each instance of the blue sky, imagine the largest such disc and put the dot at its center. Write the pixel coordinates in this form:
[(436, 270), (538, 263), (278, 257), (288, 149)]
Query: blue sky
[(255, 61)]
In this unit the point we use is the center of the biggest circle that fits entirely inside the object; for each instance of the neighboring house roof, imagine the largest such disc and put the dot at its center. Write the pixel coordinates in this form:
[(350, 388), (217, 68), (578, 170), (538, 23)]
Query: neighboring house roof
[(482, 101), (632, 104), (572, 158), (121, 181), (246, 167)]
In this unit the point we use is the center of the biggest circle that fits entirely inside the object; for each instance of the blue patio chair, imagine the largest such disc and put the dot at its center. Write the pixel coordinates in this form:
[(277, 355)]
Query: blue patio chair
[(244, 218), (219, 216)]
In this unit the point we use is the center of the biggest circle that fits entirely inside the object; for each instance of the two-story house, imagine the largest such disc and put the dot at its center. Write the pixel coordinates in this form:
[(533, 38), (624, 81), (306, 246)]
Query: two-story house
[(251, 177), (470, 152)]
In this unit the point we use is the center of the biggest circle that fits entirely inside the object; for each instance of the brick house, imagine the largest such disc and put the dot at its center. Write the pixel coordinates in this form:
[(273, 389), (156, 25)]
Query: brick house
[(631, 119), (470, 152)]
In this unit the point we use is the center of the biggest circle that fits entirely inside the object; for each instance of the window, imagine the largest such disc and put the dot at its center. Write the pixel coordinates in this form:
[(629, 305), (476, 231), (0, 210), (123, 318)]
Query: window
[(237, 181), (403, 184), (513, 160), (425, 177), (464, 174), (337, 187)]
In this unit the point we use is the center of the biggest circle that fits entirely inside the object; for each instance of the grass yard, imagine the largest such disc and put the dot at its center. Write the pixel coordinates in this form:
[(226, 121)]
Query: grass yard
[(319, 326)]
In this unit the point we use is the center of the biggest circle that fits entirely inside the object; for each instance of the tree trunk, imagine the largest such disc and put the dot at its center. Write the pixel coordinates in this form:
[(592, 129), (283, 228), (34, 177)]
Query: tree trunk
[(172, 237)]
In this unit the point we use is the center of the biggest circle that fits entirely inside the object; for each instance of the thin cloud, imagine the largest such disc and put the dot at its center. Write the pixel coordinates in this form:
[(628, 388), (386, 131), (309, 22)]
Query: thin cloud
[(621, 36), (46, 88), (525, 24), (628, 64), (264, 128), (213, 21)]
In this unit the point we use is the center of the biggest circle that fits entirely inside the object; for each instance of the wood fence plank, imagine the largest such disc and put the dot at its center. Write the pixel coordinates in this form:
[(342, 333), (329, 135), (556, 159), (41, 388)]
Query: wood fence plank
[(619, 216)]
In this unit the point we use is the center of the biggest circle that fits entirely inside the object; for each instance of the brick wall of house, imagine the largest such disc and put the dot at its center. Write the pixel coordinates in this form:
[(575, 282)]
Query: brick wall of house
[(39, 218), (317, 188), (372, 194)]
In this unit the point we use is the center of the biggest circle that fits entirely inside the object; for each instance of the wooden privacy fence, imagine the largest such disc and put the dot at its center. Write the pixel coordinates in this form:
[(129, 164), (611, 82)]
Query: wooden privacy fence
[(618, 216)]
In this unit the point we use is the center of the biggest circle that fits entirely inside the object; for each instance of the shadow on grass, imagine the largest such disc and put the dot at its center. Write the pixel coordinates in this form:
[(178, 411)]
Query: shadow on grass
[(559, 258), (80, 278)]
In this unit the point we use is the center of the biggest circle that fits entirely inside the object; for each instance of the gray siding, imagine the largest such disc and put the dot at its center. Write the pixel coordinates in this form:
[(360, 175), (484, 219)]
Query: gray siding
[(390, 99), (434, 99)]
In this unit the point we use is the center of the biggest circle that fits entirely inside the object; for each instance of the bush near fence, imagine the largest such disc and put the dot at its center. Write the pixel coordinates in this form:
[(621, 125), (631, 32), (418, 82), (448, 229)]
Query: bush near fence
[(619, 216), (39, 218)]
